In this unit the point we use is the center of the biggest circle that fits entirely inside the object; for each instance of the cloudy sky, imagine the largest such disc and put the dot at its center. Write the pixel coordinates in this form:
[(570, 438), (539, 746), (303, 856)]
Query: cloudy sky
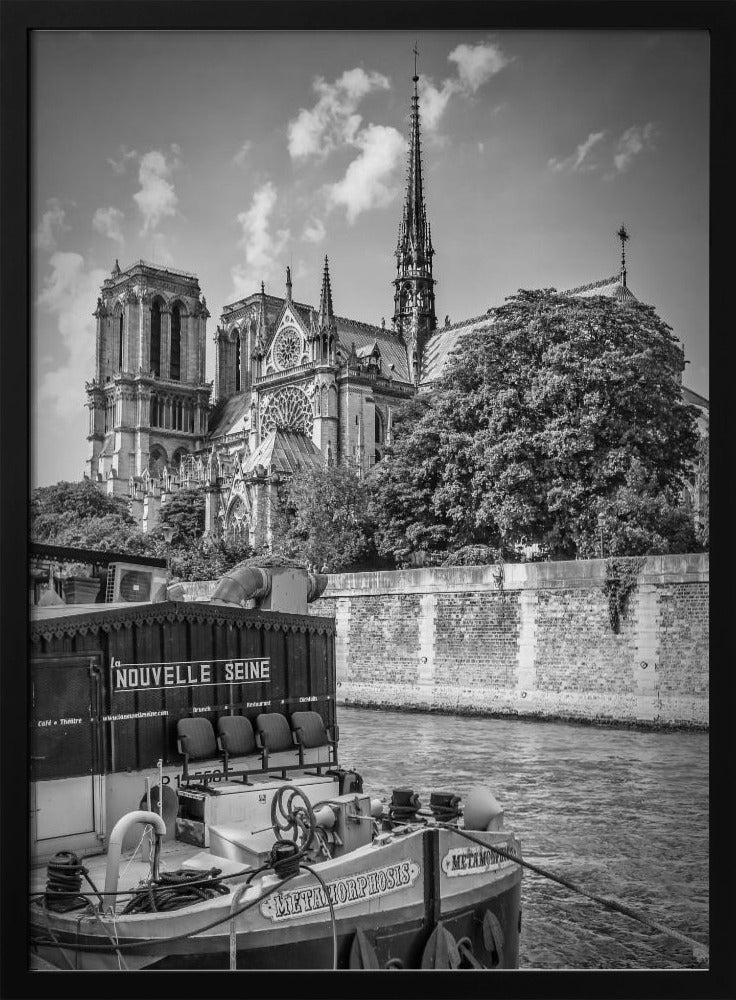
[(234, 154)]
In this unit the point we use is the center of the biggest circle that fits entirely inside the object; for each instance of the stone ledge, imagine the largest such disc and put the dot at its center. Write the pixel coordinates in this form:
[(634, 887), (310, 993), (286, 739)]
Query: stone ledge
[(571, 574)]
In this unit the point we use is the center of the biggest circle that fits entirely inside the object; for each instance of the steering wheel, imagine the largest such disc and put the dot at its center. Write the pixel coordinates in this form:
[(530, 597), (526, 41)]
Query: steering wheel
[(292, 816)]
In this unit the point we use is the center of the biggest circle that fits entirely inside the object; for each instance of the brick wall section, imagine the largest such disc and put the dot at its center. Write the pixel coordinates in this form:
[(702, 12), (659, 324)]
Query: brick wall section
[(684, 658), (477, 641), (384, 640), (534, 642), (576, 649)]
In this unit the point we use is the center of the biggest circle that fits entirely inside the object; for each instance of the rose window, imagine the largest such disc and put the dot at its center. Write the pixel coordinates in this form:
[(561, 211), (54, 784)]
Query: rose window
[(287, 409), (287, 349)]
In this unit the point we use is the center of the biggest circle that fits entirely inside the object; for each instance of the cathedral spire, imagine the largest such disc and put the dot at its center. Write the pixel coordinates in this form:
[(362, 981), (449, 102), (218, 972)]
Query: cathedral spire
[(623, 236), (326, 316), (414, 310)]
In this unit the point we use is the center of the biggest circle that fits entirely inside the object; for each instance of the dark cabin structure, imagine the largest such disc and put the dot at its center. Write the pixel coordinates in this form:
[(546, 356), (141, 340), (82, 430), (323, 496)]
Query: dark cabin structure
[(109, 683)]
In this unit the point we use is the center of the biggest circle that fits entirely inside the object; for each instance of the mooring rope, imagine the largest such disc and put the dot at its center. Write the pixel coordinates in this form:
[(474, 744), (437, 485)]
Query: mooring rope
[(700, 951)]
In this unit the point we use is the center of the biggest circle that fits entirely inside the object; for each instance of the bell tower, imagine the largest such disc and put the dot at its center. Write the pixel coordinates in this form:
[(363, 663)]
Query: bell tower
[(148, 400), (414, 310)]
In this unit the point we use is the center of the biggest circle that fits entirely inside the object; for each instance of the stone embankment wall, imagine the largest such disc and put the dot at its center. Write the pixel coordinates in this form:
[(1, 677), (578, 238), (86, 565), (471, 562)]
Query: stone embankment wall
[(531, 640)]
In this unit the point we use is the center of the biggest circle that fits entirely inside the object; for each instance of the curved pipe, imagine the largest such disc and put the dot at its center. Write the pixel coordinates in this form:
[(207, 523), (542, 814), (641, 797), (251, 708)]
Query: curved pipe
[(115, 845), (316, 584), (242, 584)]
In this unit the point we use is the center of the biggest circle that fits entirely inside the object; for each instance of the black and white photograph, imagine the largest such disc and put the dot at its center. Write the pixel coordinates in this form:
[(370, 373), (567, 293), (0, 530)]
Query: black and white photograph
[(368, 570)]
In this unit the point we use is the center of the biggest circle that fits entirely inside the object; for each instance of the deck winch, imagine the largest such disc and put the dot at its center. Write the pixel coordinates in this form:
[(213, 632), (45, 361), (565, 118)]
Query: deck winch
[(404, 806)]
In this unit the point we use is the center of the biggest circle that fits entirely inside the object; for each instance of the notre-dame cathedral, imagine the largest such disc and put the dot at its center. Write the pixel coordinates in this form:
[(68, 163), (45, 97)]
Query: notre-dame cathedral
[(295, 386)]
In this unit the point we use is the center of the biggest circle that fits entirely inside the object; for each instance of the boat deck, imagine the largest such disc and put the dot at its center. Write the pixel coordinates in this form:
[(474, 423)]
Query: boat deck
[(232, 806), (135, 865)]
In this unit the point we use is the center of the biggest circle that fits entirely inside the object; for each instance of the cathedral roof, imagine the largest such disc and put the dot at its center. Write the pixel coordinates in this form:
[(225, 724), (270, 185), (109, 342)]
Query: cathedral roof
[(227, 416), (285, 451), (393, 350), (612, 288), (695, 399), (443, 342)]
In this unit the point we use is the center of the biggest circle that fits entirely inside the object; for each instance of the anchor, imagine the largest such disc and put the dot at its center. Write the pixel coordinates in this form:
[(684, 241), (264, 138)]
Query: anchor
[(362, 952), (441, 950)]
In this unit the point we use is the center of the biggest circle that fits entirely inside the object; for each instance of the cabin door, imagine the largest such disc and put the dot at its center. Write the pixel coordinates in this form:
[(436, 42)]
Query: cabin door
[(66, 757)]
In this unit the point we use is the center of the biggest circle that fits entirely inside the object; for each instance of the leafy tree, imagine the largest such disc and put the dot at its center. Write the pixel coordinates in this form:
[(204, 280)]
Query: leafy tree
[(184, 512), (404, 485), (702, 485), (206, 559), (323, 519), (62, 512), (560, 410)]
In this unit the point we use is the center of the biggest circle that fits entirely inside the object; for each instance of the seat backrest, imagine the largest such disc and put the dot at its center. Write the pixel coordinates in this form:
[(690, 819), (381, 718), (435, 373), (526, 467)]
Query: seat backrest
[(309, 728), (274, 731), (239, 734), (200, 738)]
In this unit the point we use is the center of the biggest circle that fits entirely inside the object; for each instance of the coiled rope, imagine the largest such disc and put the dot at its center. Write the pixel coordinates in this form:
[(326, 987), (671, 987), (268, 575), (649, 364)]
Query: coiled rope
[(174, 937), (65, 872), (699, 950), (173, 890)]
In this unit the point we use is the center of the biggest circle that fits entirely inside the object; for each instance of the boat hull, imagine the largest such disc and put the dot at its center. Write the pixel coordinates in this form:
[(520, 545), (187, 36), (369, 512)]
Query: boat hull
[(388, 902)]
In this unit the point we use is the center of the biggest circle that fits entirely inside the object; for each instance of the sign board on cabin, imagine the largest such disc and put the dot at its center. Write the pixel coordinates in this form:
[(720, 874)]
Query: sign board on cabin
[(187, 673)]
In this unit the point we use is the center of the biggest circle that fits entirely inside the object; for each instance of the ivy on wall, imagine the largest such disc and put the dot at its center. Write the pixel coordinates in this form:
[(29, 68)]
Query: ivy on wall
[(621, 579)]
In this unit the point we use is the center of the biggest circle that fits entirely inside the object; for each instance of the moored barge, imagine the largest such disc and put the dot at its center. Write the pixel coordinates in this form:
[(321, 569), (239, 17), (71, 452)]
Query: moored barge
[(191, 808)]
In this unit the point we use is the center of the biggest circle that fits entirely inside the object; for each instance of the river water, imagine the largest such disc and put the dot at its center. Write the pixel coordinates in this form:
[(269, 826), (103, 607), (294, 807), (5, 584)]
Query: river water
[(623, 813)]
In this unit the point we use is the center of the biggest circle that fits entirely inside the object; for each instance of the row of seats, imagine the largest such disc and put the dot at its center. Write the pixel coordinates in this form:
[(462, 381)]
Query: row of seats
[(236, 738)]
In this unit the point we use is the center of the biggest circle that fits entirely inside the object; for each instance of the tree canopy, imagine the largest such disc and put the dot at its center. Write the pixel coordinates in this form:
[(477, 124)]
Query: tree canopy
[(184, 513), (78, 514), (560, 410), (323, 519)]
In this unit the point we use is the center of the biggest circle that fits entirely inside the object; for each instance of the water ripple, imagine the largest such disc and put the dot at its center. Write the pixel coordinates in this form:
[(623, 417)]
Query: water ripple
[(624, 813)]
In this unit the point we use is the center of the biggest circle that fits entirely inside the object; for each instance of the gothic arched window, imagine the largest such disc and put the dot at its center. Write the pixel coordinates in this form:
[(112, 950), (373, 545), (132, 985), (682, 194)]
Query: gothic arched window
[(237, 521), (155, 353), (157, 461), (120, 343), (237, 362), (175, 354)]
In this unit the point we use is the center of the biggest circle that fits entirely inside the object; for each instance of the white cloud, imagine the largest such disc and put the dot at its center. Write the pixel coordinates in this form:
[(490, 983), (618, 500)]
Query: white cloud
[(314, 231), (634, 140), (69, 294), (242, 154), (578, 161), (157, 197), (368, 180), (118, 165), (262, 247), (52, 224), (433, 100), (108, 221), (333, 121), (476, 64)]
